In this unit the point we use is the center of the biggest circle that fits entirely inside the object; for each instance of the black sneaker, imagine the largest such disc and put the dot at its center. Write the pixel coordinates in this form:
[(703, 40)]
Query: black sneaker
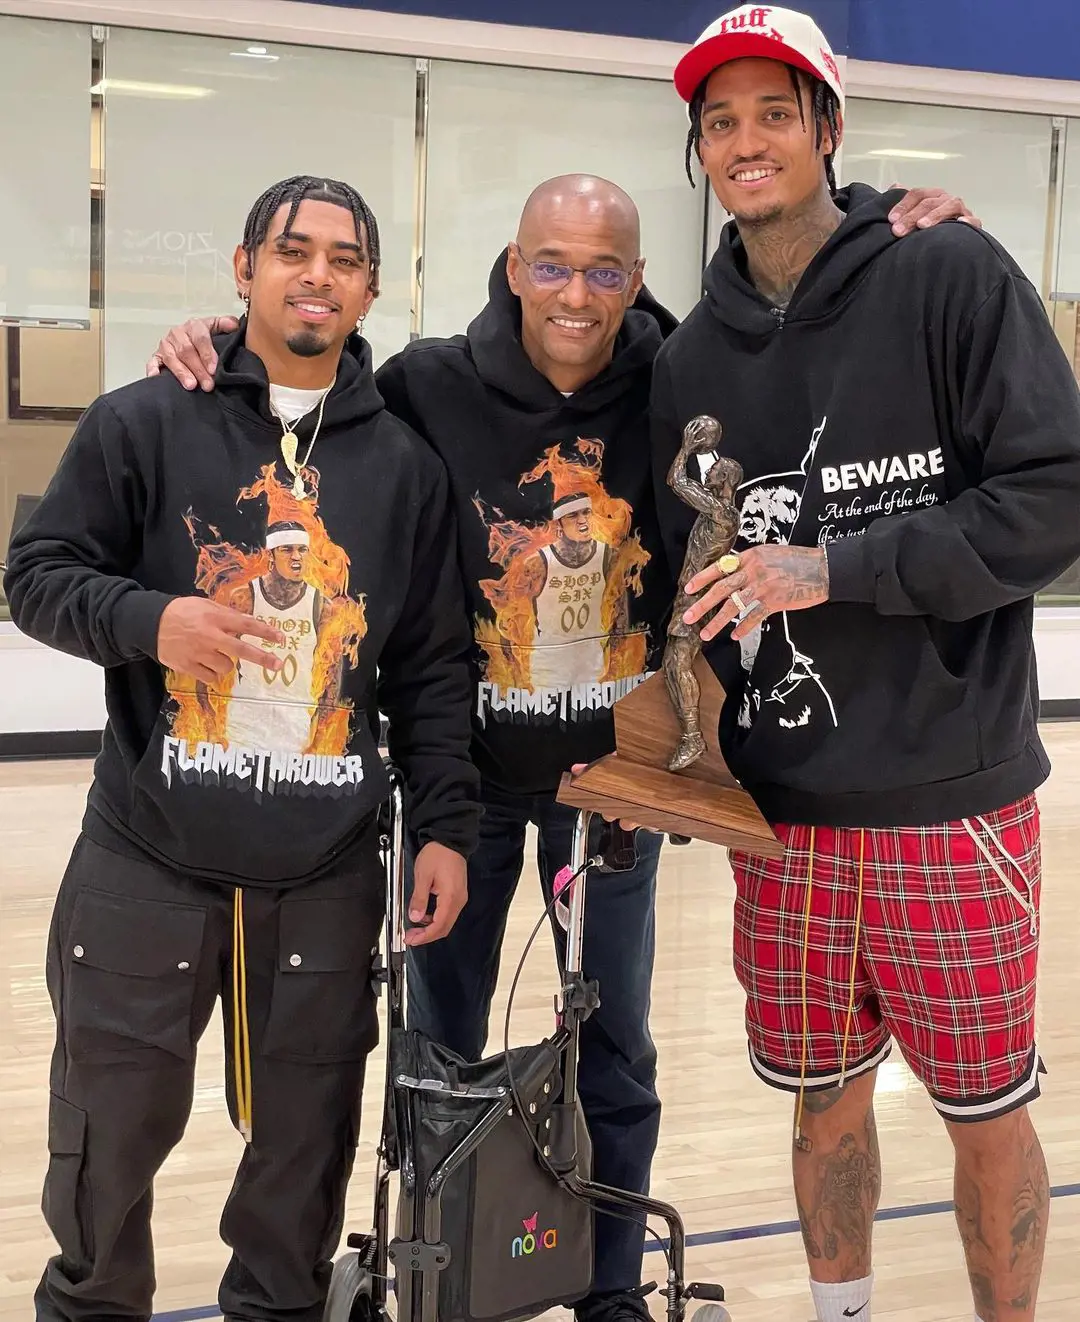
[(618, 1306)]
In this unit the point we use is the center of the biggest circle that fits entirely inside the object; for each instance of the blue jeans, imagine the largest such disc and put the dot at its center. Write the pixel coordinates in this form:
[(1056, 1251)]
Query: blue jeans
[(451, 983)]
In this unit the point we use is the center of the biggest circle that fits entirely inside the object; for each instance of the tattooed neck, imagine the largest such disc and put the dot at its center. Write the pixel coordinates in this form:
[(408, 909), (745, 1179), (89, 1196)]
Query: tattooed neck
[(780, 248)]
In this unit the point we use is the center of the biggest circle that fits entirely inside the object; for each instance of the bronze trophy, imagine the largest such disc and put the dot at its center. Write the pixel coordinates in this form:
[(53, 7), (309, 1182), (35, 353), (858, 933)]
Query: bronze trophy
[(667, 772)]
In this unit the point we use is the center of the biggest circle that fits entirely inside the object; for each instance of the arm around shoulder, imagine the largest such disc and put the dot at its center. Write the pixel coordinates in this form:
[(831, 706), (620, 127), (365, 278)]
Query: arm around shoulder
[(68, 577)]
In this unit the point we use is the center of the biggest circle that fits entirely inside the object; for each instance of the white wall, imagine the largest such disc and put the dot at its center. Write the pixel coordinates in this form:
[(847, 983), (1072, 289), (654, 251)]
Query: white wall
[(42, 691)]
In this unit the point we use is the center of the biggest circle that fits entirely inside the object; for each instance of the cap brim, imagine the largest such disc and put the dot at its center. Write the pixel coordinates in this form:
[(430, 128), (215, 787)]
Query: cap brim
[(696, 65)]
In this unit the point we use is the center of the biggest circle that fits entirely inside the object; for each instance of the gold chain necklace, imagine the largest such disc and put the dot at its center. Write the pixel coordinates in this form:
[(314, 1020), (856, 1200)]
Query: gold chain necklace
[(290, 441)]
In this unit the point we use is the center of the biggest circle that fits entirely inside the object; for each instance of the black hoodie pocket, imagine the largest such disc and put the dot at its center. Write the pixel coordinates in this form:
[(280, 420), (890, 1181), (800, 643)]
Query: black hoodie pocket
[(227, 812)]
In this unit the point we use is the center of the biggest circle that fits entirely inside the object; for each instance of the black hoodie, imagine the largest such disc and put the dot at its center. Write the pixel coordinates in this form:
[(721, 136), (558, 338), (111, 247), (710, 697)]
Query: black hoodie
[(163, 493), (566, 615), (913, 413)]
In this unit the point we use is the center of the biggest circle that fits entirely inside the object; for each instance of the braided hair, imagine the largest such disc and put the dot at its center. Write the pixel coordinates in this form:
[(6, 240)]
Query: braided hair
[(308, 187), (824, 107)]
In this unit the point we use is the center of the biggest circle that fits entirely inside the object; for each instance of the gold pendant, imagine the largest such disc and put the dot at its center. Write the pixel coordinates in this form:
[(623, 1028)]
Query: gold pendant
[(298, 488), (288, 450)]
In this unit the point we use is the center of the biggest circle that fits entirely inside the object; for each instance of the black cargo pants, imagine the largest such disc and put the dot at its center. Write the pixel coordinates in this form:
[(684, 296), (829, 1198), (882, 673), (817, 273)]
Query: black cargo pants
[(137, 958)]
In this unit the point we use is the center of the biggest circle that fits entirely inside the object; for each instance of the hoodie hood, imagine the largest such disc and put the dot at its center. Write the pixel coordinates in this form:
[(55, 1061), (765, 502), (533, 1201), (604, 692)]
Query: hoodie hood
[(494, 340), (242, 379), (830, 279)]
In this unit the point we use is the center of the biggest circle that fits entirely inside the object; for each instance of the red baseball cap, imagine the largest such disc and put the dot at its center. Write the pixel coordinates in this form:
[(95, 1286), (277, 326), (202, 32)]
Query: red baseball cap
[(759, 32)]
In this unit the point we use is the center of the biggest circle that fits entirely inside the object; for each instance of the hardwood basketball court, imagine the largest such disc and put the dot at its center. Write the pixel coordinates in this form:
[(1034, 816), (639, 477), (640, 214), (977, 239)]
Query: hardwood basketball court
[(725, 1138)]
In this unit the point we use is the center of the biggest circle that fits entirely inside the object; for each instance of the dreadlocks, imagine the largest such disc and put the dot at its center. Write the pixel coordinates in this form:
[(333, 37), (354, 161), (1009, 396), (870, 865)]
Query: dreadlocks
[(824, 108), (303, 187)]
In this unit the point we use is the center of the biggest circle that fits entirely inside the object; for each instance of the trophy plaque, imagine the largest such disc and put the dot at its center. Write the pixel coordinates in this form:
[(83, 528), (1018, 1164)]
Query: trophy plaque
[(667, 771)]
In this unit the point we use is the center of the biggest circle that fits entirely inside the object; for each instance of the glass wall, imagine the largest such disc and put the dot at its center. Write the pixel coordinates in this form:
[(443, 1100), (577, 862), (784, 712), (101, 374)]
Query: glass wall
[(494, 133), (180, 133), (997, 161), (196, 128), (1065, 294)]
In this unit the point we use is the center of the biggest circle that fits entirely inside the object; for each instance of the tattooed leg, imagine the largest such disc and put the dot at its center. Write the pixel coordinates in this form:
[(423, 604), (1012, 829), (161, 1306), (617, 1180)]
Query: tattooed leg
[(837, 1172), (1002, 1193)]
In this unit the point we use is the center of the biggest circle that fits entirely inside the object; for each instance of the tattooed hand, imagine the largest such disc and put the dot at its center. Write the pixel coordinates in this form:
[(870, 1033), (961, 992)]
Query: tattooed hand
[(771, 578)]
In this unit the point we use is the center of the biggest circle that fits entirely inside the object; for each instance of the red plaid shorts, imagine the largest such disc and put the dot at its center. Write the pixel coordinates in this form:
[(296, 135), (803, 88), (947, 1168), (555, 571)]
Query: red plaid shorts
[(937, 950)]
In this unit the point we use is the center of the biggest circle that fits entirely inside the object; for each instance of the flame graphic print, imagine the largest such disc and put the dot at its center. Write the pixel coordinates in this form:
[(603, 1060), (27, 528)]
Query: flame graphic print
[(539, 584), (230, 574)]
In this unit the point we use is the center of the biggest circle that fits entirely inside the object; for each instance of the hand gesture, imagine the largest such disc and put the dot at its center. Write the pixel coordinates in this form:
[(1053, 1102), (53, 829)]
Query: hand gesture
[(188, 352), (198, 637), (769, 580), (442, 873)]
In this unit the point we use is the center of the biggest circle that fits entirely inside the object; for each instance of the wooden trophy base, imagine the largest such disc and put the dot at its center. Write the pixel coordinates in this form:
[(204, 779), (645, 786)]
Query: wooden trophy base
[(704, 802)]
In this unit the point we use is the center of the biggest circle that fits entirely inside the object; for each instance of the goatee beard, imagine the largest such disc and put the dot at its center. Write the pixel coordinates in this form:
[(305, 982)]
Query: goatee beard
[(307, 344)]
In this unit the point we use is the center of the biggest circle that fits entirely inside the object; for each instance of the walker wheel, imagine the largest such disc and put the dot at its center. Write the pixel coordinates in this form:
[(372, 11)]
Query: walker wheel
[(711, 1313), (349, 1297)]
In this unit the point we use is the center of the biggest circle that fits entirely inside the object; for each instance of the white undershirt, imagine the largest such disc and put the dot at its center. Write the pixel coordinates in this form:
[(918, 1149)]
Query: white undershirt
[(290, 403)]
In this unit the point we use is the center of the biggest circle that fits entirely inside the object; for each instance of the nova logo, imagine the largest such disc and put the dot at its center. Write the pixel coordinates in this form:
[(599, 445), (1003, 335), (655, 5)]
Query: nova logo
[(524, 1246)]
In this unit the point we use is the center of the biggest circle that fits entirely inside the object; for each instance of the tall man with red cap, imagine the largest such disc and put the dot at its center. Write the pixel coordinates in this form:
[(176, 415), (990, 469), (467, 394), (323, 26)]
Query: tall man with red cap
[(909, 433)]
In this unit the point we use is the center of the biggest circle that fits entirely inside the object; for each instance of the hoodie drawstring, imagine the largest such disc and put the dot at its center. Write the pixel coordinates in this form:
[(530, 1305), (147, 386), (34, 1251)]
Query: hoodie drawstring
[(851, 981), (241, 1038)]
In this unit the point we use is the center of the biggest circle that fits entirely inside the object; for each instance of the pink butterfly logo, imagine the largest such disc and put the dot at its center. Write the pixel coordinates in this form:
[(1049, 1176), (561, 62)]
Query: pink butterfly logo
[(530, 1224)]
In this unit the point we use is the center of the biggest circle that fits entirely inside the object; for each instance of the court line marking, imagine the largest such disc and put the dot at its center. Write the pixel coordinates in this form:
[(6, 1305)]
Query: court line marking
[(699, 1240)]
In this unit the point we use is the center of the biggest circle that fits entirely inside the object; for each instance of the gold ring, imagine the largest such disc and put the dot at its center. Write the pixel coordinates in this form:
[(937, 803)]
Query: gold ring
[(727, 564)]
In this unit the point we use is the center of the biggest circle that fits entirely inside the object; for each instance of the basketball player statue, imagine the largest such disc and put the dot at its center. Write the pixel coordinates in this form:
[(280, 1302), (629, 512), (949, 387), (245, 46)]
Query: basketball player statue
[(711, 538)]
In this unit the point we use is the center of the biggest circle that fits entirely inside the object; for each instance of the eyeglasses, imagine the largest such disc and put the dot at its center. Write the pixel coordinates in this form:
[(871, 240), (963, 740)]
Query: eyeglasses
[(600, 279)]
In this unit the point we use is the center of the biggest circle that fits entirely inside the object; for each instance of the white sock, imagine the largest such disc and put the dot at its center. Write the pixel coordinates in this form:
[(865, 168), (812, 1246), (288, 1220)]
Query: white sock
[(843, 1301)]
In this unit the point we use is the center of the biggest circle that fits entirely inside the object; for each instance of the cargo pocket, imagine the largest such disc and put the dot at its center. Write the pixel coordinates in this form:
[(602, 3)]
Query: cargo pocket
[(322, 1008), (65, 1202), (130, 969)]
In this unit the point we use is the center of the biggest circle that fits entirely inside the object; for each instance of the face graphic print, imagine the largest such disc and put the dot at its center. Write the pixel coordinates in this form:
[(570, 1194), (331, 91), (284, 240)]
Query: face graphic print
[(560, 610), (297, 580), (797, 696)]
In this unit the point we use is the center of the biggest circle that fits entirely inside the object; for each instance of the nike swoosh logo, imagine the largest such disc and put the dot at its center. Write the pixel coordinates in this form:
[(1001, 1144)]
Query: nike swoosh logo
[(849, 1312)]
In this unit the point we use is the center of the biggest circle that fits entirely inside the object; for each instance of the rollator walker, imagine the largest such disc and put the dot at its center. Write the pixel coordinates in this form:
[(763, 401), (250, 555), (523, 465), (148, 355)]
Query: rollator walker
[(496, 1208)]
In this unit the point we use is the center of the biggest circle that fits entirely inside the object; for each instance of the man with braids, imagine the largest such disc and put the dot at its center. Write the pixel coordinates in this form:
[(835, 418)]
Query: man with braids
[(258, 571), (909, 434), (540, 413)]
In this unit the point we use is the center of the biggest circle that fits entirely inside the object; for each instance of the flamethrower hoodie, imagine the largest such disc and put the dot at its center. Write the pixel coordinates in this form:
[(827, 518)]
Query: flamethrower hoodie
[(270, 778), (913, 414), (567, 579)]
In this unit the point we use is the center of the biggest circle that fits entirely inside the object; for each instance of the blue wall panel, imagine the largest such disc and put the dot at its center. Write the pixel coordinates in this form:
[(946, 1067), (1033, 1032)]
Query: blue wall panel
[(666, 20), (995, 36)]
